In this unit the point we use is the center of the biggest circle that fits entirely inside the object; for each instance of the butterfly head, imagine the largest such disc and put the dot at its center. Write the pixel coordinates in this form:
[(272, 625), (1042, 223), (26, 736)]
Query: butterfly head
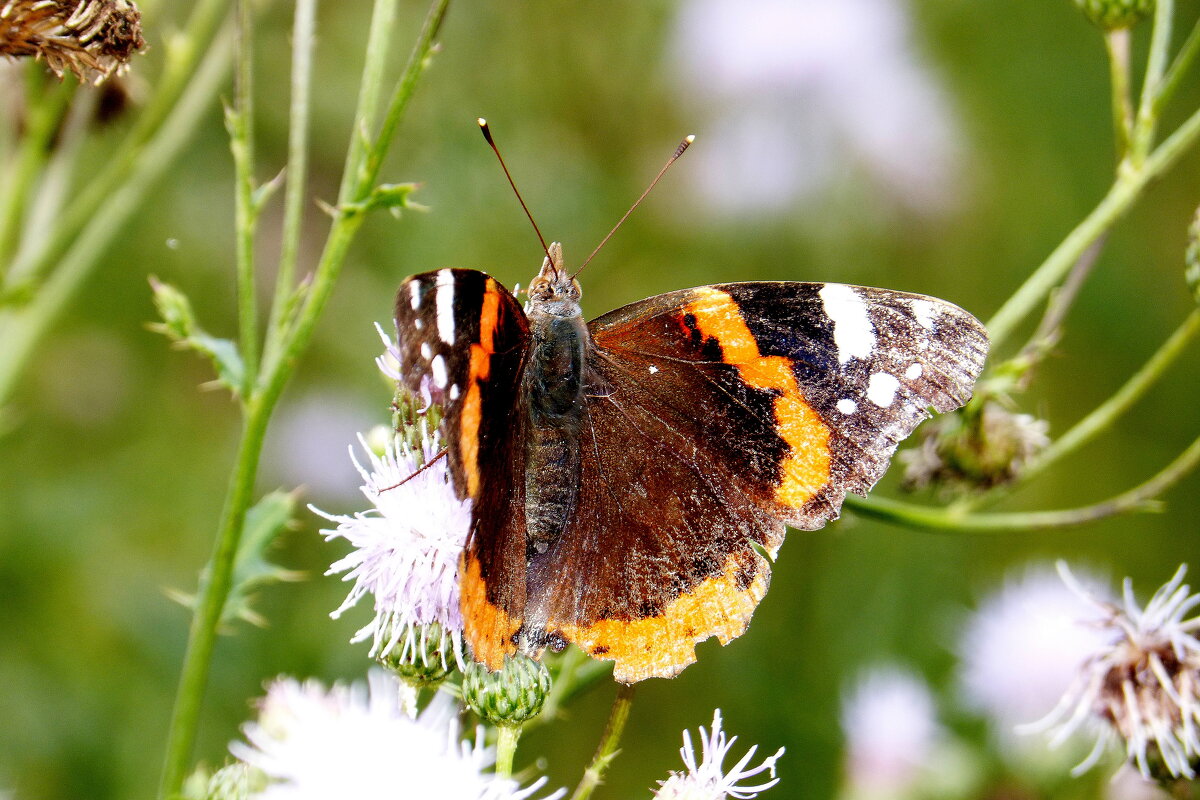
[(554, 291)]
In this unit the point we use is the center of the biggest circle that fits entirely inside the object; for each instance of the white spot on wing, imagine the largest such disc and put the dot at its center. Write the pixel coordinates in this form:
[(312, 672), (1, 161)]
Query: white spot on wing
[(853, 333), (417, 323), (653, 369), (881, 389), (926, 313), (414, 295), (426, 351), (847, 406), (454, 392), (913, 372), (438, 365), (445, 305)]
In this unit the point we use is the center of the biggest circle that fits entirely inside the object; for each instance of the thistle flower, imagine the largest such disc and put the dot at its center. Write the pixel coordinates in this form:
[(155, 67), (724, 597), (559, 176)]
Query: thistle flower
[(1143, 685), (91, 38), (406, 548), (1021, 649), (891, 731), (708, 780), (363, 743)]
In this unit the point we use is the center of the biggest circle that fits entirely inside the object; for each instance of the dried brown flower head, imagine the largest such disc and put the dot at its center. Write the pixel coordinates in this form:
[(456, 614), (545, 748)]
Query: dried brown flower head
[(91, 38)]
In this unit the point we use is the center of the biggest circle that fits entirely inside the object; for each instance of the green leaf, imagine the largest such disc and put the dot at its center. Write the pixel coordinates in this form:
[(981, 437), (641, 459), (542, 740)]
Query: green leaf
[(179, 325), (251, 569), (395, 197)]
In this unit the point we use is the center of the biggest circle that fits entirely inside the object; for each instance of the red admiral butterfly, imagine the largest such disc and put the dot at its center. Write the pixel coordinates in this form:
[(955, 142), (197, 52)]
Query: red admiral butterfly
[(624, 472)]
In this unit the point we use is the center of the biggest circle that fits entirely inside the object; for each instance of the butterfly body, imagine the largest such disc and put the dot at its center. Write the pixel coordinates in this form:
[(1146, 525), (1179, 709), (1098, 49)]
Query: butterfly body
[(629, 474)]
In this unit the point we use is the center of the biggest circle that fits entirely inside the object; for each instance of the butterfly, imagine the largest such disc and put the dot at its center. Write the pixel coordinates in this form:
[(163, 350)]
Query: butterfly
[(631, 476)]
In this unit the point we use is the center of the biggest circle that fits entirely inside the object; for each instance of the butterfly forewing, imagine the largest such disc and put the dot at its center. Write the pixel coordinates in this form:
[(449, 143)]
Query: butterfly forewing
[(814, 383), (461, 338)]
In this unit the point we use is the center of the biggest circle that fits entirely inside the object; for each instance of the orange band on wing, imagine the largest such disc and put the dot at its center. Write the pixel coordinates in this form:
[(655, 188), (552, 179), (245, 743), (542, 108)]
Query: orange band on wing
[(487, 628), (660, 647), (478, 370), (805, 471)]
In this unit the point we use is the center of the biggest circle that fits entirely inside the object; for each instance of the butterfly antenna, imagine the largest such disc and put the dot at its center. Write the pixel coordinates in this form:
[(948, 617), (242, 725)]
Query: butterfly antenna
[(487, 134), (687, 140)]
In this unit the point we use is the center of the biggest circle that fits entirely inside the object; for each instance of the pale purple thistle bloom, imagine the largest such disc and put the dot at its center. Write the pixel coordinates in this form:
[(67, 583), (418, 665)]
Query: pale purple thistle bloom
[(1143, 686), (708, 780), (1023, 647), (363, 743), (406, 548)]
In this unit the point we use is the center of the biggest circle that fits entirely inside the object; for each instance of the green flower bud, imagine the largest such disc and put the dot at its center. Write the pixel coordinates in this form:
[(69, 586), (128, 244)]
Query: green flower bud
[(511, 696), (423, 656), (1114, 14)]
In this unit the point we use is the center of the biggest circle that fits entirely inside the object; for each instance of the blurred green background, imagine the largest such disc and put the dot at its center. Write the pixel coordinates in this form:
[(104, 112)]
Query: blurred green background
[(948, 156)]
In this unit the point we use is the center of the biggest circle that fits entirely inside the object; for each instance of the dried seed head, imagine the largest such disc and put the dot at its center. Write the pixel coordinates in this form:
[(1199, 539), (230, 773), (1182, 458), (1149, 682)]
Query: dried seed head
[(91, 38), (1142, 689)]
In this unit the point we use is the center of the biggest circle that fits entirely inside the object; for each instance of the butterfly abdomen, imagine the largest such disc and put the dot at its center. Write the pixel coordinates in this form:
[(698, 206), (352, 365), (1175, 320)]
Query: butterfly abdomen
[(553, 383)]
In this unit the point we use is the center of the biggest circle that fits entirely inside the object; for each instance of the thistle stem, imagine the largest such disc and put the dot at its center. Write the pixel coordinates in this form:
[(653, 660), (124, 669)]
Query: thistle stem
[(21, 329), (303, 41), (960, 519), (1116, 43), (241, 139), (506, 750), (607, 750), (1107, 412), (1125, 190), (1178, 69), (218, 575), (1156, 63)]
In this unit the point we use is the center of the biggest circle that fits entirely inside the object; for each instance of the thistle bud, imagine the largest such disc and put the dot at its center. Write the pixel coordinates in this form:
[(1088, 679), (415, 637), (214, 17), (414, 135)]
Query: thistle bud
[(511, 696), (1114, 14), (424, 657)]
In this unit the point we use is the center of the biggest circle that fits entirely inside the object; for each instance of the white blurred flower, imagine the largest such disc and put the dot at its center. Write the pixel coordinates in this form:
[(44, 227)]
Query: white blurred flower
[(406, 548), (803, 89), (1142, 686), (362, 743), (1022, 648), (891, 731), (708, 780)]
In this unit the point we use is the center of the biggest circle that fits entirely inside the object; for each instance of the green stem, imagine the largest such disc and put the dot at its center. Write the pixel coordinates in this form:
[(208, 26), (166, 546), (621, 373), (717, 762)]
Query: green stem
[(1116, 43), (1126, 189), (214, 589), (1107, 412), (241, 139), (404, 89), (607, 750), (22, 329), (1178, 70), (506, 750), (35, 147), (215, 584), (957, 519), (383, 18), (1156, 63), (303, 41)]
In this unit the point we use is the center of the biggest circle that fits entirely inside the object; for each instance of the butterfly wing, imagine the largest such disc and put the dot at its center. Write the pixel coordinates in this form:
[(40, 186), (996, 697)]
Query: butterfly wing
[(462, 342), (716, 415)]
